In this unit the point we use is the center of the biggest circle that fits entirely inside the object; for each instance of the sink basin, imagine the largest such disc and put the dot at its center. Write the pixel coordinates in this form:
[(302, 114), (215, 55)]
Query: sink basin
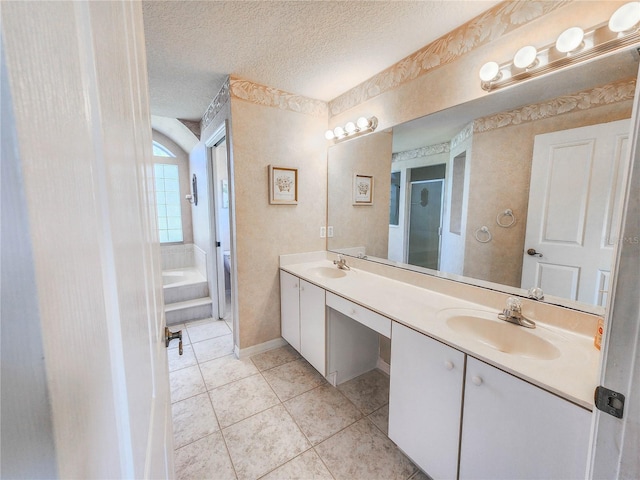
[(327, 272), (500, 335)]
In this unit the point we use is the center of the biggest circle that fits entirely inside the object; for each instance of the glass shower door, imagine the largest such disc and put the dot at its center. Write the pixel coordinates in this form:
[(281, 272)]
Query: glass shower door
[(425, 221)]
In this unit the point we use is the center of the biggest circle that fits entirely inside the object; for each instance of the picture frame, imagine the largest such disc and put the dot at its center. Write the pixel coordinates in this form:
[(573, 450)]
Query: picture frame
[(362, 189), (283, 185)]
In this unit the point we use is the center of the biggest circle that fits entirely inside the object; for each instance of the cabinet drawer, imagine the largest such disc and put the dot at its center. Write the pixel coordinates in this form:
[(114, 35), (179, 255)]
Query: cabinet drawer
[(374, 321)]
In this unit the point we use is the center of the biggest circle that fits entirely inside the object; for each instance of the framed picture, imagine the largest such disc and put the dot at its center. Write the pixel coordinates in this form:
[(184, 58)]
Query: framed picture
[(362, 189), (283, 185)]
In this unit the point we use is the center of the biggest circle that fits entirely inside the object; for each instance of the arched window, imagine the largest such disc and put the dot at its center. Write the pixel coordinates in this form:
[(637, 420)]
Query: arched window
[(161, 151)]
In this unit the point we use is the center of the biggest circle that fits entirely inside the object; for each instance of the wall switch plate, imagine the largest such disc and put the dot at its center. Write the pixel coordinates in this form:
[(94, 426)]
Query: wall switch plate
[(329, 232), (323, 232)]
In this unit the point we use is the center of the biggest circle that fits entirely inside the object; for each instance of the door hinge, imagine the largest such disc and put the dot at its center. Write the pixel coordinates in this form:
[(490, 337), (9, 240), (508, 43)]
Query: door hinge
[(217, 244), (609, 401)]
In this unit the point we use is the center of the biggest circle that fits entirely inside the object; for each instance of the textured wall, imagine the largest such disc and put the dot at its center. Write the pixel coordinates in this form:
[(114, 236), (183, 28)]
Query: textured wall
[(501, 165), (444, 73), (269, 135), (360, 225)]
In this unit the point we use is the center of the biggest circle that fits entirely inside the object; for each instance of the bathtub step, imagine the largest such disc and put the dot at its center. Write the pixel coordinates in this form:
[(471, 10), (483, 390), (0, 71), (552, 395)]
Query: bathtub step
[(194, 309), (183, 293)]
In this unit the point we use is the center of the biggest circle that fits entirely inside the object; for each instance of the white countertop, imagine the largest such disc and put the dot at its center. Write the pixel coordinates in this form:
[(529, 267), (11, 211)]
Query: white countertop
[(572, 375)]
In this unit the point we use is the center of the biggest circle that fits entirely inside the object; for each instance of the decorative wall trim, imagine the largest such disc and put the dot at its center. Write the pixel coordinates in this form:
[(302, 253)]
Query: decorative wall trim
[(216, 105), (489, 26), (420, 152), (272, 97), (464, 135), (604, 95)]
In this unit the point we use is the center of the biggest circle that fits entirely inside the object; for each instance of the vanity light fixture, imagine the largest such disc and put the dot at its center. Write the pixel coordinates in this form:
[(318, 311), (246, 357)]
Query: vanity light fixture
[(490, 72), (625, 18), (573, 46), (570, 40), (362, 125), (526, 57)]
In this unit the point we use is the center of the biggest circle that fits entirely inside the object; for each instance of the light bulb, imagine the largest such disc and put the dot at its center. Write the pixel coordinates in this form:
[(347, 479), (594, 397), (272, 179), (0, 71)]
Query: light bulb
[(625, 18), (489, 72), (329, 135), (338, 132), (570, 40), (363, 123), (350, 128), (525, 57)]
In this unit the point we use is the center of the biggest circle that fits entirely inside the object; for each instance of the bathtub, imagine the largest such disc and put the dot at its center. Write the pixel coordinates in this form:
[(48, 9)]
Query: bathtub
[(181, 276)]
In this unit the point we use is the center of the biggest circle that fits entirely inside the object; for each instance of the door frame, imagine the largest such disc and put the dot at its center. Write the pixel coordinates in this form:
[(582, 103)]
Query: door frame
[(213, 264), (408, 217), (614, 445)]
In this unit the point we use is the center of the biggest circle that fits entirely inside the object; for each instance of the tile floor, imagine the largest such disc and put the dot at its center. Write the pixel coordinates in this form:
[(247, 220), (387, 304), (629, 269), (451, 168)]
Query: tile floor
[(272, 416)]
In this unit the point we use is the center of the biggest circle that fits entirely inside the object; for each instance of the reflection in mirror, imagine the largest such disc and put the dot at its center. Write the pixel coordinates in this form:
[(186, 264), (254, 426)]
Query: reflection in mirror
[(555, 164)]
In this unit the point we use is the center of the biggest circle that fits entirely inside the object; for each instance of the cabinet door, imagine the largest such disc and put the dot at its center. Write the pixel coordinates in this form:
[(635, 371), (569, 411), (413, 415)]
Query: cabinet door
[(512, 429), (312, 325), (425, 400), (290, 309)]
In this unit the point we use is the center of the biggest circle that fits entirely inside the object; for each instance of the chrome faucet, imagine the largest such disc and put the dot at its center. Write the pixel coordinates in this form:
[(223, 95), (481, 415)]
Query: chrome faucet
[(513, 314), (341, 263)]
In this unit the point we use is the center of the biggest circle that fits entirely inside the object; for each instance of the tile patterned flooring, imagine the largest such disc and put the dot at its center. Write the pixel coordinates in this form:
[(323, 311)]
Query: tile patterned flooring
[(273, 416)]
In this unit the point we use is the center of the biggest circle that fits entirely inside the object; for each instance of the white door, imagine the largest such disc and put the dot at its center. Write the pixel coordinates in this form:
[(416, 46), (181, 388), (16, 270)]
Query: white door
[(222, 229), (574, 204), (85, 153)]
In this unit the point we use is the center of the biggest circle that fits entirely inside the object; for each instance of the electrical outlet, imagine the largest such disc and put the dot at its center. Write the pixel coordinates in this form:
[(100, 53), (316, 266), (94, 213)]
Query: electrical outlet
[(323, 232), (329, 232)]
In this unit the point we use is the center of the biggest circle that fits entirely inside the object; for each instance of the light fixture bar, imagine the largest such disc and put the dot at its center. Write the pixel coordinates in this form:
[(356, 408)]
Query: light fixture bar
[(596, 42), (362, 125)]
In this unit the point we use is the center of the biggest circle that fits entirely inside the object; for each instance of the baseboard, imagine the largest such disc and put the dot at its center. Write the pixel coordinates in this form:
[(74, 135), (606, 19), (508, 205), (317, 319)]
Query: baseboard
[(383, 366), (260, 348)]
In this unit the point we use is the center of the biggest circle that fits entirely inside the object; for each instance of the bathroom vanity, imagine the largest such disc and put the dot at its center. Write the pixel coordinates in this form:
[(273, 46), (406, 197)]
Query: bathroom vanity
[(471, 396)]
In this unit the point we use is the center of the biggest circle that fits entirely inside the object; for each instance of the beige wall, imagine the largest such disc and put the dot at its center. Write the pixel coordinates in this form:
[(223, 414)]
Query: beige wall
[(273, 127), (360, 225), (501, 166), (182, 160), (457, 82), (263, 136)]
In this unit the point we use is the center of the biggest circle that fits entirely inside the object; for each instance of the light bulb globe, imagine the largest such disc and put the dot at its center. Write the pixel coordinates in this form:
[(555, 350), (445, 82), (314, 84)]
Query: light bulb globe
[(525, 57), (489, 71), (625, 18), (570, 40)]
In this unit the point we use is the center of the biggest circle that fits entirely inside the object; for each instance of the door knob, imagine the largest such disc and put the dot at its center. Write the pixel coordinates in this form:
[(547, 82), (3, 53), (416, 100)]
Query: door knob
[(533, 253), (169, 335)]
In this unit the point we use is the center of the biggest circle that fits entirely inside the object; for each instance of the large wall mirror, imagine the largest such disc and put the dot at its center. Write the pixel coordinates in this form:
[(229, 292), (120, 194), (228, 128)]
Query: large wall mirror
[(521, 188)]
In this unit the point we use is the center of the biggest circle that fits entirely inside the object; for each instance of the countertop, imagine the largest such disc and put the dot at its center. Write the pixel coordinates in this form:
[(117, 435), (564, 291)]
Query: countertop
[(573, 375)]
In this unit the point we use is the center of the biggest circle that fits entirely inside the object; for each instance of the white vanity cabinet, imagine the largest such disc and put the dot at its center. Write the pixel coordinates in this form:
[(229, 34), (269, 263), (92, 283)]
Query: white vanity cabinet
[(302, 318), (290, 309), (512, 429), (425, 400)]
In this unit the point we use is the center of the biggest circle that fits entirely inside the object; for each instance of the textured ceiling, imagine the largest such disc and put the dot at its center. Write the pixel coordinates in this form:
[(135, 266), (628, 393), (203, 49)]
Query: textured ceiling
[(319, 49)]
